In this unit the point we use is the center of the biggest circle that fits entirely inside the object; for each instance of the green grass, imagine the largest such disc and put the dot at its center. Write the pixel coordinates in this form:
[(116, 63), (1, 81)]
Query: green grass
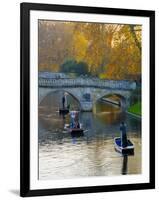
[(135, 109)]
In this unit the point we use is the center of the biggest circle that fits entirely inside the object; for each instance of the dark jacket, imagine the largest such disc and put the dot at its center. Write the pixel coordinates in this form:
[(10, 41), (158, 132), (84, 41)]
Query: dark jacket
[(123, 135)]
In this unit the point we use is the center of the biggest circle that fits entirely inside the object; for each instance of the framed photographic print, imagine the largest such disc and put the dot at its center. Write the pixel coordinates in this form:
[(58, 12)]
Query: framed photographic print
[(87, 99)]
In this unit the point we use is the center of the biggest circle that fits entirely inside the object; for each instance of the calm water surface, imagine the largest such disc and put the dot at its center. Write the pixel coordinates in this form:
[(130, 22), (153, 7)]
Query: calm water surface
[(61, 156)]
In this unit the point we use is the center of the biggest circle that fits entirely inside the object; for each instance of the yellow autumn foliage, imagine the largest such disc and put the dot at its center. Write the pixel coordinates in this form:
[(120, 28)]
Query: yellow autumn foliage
[(111, 51), (80, 46)]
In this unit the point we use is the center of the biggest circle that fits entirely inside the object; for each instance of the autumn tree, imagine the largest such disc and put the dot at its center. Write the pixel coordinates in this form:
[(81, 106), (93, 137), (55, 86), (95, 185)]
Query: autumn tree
[(55, 41), (110, 51)]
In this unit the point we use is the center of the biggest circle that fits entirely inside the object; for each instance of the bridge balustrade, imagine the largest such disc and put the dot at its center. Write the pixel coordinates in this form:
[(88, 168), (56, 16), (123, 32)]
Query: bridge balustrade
[(81, 82)]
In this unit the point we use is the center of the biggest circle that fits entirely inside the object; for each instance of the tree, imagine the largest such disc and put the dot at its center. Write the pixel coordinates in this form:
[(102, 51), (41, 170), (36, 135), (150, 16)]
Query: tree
[(132, 30), (72, 66), (111, 51)]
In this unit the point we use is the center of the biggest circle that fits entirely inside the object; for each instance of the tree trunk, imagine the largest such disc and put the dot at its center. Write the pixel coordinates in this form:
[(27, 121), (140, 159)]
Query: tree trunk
[(135, 38)]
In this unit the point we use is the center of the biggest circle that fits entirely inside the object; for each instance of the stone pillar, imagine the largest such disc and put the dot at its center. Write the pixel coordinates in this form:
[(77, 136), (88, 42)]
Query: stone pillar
[(125, 103), (86, 106)]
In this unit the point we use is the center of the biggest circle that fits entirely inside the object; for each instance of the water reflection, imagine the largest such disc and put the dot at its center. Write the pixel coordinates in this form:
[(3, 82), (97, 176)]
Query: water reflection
[(125, 165), (64, 156)]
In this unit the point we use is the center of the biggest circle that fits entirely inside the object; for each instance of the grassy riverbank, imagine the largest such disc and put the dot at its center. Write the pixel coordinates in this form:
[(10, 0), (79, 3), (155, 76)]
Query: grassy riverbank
[(135, 109)]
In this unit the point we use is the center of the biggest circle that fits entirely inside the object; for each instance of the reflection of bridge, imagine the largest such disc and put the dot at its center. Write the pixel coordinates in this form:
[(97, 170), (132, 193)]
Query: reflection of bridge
[(87, 90)]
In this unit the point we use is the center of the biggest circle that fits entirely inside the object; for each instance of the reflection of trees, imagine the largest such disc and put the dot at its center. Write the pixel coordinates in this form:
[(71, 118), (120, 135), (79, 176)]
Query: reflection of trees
[(108, 113), (112, 117)]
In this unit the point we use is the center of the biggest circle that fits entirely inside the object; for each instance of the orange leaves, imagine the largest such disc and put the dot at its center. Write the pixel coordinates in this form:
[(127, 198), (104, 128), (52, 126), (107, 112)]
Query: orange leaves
[(55, 67), (80, 44), (109, 50)]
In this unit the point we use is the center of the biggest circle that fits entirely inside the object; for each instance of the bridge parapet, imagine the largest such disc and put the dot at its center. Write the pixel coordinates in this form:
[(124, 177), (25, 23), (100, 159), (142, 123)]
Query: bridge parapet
[(87, 82)]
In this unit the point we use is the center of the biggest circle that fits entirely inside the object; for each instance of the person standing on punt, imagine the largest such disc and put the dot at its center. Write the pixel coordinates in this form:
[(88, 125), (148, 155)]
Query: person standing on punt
[(124, 141), (63, 101), (77, 124), (72, 116)]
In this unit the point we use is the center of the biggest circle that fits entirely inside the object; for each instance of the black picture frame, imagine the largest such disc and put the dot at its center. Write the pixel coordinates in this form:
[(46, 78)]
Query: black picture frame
[(25, 9)]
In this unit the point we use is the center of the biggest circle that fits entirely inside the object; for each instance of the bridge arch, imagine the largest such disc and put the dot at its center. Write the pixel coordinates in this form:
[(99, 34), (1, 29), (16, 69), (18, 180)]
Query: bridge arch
[(121, 100), (44, 92), (123, 97)]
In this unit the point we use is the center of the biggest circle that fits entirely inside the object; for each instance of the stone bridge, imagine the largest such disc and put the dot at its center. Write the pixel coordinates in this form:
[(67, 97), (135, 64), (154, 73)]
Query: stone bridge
[(87, 91)]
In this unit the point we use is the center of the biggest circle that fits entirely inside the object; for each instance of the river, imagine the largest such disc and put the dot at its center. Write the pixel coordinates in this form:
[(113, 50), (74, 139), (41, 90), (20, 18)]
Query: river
[(61, 156)]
